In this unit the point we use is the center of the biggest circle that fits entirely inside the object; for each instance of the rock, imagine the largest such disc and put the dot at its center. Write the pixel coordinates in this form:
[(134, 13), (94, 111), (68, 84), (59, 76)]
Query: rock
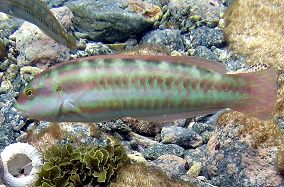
[(141, 140), (148, 128), (232, 161), (143, 127), (157, 150), (171, 164), (136, 156), (3, 52), (36, 48), (147, 49), (193, 156), (97, 48), (8, 25), (207, 37), (166, 37), (118, 126), (195, 169), (181, 136), (202, 127), (208, 10), (9, 119), (111, 21), (204, 52), (53, 3), (29, 72), (206, 136)]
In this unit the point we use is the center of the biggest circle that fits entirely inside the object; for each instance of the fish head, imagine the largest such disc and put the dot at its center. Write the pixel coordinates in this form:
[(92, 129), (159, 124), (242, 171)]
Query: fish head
[(39, 101)]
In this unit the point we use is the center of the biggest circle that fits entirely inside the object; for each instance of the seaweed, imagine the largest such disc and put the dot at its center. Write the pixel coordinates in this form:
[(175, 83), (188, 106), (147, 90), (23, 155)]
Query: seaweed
[(69, 167)]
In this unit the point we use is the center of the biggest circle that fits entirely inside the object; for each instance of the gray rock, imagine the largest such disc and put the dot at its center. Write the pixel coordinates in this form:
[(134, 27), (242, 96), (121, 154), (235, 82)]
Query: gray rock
[(181, 136), (204, 52), (167, 37), (157, 150), (8, 25), (232, 161), (202, 127), (197, 155), (115, 126), (208, 10), (171, 164), (9, 120), (53, 3), (107, 20), (207, 37), (206, 136)]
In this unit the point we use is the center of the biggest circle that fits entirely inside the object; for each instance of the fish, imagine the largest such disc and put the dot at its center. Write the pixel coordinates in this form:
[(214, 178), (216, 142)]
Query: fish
[(151, 88), (36, 12)]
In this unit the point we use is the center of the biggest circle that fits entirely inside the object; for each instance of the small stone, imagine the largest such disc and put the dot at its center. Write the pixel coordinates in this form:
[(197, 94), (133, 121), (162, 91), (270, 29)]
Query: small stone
[(181, 136), (136, 156), (195, 169), (166, 37), (3, 52), (157, 150), (207, 37), (133, 144), (171, 164)]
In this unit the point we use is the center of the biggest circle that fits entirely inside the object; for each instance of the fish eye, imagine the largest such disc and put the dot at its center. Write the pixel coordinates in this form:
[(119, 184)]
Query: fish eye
[(29, 93)]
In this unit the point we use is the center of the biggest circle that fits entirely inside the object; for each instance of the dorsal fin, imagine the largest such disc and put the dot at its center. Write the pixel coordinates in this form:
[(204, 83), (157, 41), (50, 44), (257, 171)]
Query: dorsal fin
[(209, 65)]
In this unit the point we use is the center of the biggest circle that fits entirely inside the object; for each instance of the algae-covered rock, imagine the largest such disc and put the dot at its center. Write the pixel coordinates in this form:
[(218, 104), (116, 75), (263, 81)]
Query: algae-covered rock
[(110, 21), (3, 53), (66, 166), (139, 174)]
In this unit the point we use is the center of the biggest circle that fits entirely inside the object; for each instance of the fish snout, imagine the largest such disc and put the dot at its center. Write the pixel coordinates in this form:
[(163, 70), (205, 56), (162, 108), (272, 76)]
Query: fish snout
[(23, 113)]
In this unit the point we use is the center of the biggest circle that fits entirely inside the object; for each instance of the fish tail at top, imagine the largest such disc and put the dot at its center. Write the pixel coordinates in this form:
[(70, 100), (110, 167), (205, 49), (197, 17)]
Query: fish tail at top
[(262, 89), (70, 42)]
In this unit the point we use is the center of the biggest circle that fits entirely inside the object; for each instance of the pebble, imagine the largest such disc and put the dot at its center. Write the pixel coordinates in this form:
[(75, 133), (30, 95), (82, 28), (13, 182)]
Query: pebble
[(181, 136), (173, 165), (166, 37), (207, 37), (157, 150)]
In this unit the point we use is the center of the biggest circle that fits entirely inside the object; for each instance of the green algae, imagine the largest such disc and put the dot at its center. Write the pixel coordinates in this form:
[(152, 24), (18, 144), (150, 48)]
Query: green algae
[(68, 167)]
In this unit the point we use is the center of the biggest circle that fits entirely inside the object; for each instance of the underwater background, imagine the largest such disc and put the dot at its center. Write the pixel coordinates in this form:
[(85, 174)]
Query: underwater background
[(222, 149)]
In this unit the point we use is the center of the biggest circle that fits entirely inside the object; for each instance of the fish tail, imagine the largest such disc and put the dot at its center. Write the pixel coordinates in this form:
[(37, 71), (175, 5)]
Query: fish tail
[(71, 42), (263, 93)]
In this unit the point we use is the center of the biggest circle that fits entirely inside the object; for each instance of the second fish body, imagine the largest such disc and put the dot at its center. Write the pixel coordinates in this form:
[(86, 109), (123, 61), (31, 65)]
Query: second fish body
[(36, 12)]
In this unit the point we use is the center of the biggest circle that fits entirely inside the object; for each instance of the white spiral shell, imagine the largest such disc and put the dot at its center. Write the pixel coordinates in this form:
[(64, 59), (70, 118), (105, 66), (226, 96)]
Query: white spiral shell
[(21, 163)]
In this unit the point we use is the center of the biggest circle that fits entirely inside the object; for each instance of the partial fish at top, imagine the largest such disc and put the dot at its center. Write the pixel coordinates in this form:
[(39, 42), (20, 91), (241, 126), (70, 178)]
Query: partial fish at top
[(36, 12)]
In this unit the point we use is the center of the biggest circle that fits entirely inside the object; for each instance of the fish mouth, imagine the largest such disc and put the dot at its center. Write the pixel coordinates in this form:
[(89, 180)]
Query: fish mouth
[(23, 113), (20, 111)]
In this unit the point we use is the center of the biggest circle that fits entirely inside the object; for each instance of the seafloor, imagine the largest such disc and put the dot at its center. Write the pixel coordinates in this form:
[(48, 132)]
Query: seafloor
[(222, 149)]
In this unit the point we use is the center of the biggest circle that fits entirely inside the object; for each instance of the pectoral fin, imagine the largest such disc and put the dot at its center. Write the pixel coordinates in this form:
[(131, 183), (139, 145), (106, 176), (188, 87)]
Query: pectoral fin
[(67, 108)]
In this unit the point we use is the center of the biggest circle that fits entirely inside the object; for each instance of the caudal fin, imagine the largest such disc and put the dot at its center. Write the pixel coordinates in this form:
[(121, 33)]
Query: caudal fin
[(263, 93)]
